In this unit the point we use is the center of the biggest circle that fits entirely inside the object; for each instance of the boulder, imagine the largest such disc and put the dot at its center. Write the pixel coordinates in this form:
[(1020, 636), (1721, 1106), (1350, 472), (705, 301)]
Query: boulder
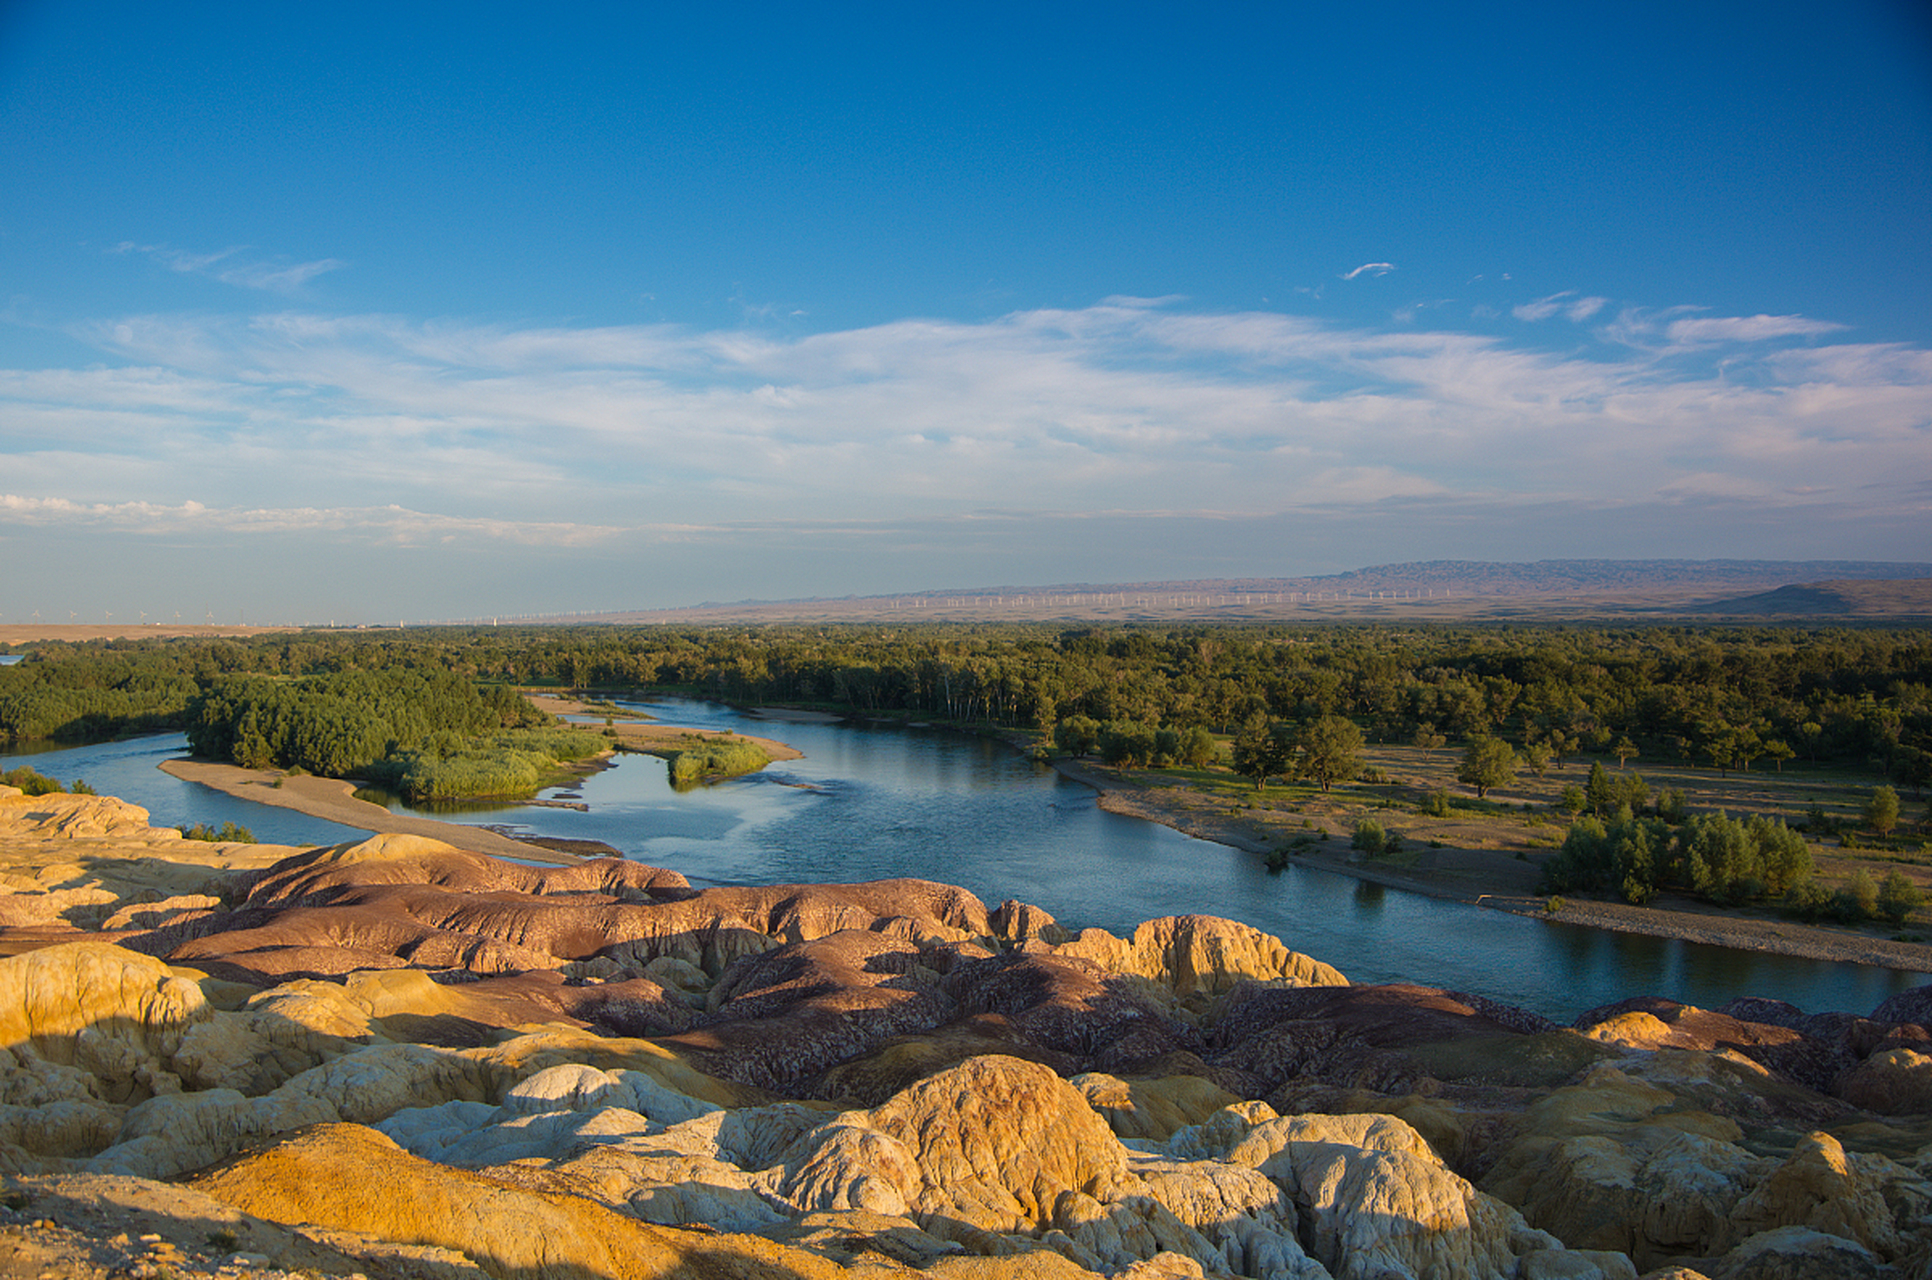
[(118, 1016), (997, 1140)]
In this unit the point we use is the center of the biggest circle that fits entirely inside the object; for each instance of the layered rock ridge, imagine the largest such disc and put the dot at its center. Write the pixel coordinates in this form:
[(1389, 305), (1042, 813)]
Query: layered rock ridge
[(432, 1061)]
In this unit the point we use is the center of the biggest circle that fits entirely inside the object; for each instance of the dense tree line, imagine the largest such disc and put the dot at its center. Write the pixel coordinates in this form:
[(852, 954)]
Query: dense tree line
[(1724, 697), (431, 735)]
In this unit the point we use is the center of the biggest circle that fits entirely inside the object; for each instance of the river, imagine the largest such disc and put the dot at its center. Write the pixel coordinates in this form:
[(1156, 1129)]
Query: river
[(871, 803)]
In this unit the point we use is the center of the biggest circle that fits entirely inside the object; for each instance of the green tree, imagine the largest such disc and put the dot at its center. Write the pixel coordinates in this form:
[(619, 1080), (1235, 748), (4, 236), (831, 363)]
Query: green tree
[(1898, 897), (1624, 749), (1260, 750), (1077, 735), (1487, 763), (1330, 751), (1881, 811), (1198, 747), (1600, 790)]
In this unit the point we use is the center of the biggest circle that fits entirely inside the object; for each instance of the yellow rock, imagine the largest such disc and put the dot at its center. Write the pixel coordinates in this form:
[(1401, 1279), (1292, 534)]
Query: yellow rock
[(117, 1015), (998, 1139), (1152, 1109), (351, 1178), (1200, 956), (1823, 1188)]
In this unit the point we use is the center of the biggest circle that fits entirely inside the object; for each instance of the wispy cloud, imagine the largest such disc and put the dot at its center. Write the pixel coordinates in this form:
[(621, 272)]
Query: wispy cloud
[(1714, 329), (1568, 303), (392, 522), (235, 266), (1371, 268)]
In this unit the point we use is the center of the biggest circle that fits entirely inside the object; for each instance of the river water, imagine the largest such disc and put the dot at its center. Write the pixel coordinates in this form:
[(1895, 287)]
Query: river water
[(874, 803)]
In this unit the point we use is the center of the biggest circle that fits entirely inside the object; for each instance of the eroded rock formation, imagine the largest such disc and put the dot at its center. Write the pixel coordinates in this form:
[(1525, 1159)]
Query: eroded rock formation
[(402, 1051)]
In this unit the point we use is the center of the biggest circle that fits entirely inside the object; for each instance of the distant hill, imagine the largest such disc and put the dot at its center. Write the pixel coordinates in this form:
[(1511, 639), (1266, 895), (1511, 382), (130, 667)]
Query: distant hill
[(1439, 589), (1835, 599)]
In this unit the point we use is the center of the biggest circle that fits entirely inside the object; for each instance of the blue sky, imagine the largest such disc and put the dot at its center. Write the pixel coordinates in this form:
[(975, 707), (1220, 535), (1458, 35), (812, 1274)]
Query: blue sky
[(436, 311)]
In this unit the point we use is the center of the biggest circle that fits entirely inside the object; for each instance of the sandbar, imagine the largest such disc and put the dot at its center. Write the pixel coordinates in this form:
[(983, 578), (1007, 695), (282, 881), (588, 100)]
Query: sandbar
[(334, 800)]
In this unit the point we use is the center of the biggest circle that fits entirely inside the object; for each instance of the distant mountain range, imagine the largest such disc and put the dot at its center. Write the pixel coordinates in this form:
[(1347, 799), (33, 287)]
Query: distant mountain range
[(1515, 578), (1428, 588)]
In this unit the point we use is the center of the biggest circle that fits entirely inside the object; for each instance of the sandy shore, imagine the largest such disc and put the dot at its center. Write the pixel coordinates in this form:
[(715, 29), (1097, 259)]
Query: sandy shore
[(334, 800), (1494, 881)]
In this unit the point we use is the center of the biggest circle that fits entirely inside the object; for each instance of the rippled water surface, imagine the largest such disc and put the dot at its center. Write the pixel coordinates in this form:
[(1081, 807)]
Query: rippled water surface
[(867, 804)]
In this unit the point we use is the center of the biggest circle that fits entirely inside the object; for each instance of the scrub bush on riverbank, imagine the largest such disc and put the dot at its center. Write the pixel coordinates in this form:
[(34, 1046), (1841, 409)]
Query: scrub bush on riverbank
[(705, 760), (511, 764)]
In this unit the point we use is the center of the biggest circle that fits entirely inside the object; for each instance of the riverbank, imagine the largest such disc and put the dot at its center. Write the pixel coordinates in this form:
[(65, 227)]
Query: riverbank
[(1495, 880), (334, 800)]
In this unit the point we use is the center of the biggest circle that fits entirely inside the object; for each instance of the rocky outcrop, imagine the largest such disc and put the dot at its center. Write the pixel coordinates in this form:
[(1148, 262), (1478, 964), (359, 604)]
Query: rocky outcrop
[(493, 1069)]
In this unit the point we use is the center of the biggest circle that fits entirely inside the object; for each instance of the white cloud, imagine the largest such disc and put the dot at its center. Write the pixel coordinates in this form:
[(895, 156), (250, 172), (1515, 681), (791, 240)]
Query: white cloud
[(227, 266), (1371, 268), (1541, 309), (1713, 329), (401, 431), (1573, 308)]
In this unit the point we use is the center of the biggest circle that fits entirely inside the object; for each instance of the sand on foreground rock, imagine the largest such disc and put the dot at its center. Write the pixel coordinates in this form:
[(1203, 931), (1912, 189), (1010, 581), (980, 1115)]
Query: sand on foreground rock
[(409, 1059)]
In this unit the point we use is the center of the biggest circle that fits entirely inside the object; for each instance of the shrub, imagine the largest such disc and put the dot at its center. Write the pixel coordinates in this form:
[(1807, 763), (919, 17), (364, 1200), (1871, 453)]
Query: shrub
[(1882, 810), (80, 788), (1857, 899), (229, 833), (1437, 805), (716, 759), (31, 782), (1369, 837), (1898, 897)]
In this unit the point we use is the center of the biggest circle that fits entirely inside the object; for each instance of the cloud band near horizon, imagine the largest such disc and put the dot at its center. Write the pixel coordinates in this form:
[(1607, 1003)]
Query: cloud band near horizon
[(386, 429)]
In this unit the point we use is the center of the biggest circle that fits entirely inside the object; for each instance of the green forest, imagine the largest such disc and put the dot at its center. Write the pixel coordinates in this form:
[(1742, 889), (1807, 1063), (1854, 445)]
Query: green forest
[(1726, 697), (427, 709)]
